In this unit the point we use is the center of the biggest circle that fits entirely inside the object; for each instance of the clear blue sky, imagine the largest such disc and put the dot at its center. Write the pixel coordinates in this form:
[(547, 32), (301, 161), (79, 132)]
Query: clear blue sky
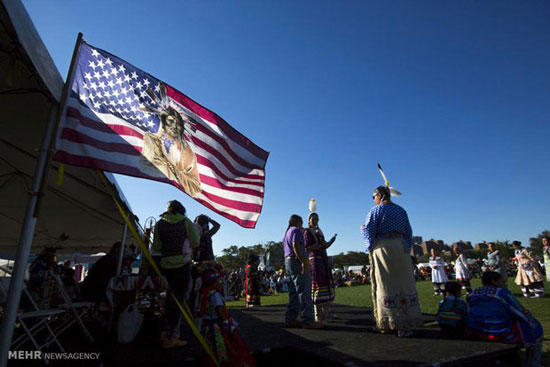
[(452, 98)]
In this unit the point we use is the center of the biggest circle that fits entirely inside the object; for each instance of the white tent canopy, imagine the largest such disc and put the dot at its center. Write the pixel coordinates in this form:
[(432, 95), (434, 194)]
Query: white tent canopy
[(78, 216)]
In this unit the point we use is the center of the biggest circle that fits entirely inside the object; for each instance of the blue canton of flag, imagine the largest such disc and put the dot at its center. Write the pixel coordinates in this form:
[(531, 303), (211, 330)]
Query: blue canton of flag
[(109, 85)]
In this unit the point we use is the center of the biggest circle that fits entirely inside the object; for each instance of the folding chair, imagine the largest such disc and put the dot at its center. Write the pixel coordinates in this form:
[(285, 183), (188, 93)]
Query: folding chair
[(34, 322), (77, 309)]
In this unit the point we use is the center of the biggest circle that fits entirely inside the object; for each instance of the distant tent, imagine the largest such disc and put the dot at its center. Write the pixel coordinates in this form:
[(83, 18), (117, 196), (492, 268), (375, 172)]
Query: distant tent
[(79, 258), (355, 268)]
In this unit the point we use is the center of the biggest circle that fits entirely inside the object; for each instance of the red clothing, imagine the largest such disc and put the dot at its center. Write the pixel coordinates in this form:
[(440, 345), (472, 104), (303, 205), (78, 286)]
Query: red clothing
[(252, 286)]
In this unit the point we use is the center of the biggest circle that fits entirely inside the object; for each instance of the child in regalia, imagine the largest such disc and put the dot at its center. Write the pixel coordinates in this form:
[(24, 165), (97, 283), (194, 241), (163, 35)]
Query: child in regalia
[(439, 276), (451, 313), (218, 328), (252, 282)]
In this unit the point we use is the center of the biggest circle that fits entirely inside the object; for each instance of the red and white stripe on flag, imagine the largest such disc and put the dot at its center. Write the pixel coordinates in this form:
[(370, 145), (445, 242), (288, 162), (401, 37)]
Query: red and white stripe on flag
[(121, 119)]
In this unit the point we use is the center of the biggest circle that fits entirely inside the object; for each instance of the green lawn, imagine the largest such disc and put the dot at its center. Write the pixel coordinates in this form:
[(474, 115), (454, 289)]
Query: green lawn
[(360, 296)]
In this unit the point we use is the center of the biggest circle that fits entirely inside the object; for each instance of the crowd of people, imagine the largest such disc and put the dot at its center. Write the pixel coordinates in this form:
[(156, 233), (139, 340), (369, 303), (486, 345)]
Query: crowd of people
[(528, 270), (349, 278), (311, 283), (476, 268), (269, 282), (183, 251)]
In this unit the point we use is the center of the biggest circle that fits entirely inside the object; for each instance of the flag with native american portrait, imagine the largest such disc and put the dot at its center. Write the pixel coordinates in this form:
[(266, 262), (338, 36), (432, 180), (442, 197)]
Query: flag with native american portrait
[(123, 120)]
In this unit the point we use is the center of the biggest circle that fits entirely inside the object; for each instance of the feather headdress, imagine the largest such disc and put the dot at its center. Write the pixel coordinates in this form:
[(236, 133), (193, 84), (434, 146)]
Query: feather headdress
[(393, 191)]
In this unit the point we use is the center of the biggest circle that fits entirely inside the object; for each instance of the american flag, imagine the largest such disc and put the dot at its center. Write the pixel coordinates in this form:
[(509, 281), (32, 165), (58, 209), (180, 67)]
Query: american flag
[(121, 119)]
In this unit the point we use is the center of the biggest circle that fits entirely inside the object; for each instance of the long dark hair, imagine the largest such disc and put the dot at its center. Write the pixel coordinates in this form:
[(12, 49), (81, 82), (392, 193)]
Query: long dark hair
[(452, 288), (294, 220), (174, 207), (201, 219), (384, 193), (489, 277)]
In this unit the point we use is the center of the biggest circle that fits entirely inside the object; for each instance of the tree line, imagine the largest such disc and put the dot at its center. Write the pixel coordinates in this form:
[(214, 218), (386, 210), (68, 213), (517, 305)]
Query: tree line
[(236, 257)]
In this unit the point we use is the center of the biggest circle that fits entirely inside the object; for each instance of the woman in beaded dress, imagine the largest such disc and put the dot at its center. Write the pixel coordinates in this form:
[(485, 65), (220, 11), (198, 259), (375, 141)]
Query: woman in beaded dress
[(322, 286)]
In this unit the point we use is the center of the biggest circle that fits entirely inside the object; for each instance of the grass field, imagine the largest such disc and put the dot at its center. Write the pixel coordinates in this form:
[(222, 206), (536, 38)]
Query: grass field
[(360, 296)]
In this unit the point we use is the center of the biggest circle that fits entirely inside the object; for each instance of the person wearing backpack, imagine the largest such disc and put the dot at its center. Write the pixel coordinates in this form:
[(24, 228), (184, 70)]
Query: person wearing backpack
[(169, 242)]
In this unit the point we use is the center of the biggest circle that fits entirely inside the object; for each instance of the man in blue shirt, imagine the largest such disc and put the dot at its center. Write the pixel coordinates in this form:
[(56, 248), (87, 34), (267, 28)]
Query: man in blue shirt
[(388, 236)]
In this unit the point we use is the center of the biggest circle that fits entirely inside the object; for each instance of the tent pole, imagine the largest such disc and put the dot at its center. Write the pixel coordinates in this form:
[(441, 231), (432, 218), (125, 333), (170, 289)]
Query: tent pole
[(122, 249), (32, 213), (24, 248)]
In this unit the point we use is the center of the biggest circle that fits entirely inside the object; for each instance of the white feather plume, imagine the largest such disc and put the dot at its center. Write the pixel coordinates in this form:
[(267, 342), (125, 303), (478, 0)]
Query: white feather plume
[(312, 205), (394, 192)]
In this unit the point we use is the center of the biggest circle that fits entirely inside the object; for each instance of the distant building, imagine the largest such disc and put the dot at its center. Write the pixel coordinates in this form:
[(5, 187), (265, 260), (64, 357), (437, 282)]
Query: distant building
[(481, 246), (463, 246), (417, 240), (427, 246), (416, 250)]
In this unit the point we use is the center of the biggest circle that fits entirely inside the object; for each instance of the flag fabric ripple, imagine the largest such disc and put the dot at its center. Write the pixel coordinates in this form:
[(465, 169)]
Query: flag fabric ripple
[(121, 119)]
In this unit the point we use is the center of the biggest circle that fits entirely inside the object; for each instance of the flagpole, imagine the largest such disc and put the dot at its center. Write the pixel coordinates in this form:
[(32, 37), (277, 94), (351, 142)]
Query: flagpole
[(60, 115), (31, 215)]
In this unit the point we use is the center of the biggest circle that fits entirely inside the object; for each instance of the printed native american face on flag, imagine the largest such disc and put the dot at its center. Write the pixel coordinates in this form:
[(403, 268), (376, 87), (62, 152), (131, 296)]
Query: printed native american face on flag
[(169, 149)]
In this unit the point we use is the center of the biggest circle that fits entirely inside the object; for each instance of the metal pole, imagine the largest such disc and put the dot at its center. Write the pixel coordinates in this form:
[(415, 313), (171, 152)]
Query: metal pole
[(31, 214), (67, 88), (24, 249), (122, 249)]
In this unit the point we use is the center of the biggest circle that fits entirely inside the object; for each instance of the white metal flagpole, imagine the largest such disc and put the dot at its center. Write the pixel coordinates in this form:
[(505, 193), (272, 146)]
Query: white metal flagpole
[(31, 216)]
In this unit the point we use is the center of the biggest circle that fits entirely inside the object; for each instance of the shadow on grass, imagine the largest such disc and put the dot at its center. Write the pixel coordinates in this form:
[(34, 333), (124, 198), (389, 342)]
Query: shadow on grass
[(347, 341)]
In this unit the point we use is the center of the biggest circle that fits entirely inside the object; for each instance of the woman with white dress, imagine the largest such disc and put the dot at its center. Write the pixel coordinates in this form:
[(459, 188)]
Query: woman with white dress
[(439, 276), (462, 273), (529, 276)]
